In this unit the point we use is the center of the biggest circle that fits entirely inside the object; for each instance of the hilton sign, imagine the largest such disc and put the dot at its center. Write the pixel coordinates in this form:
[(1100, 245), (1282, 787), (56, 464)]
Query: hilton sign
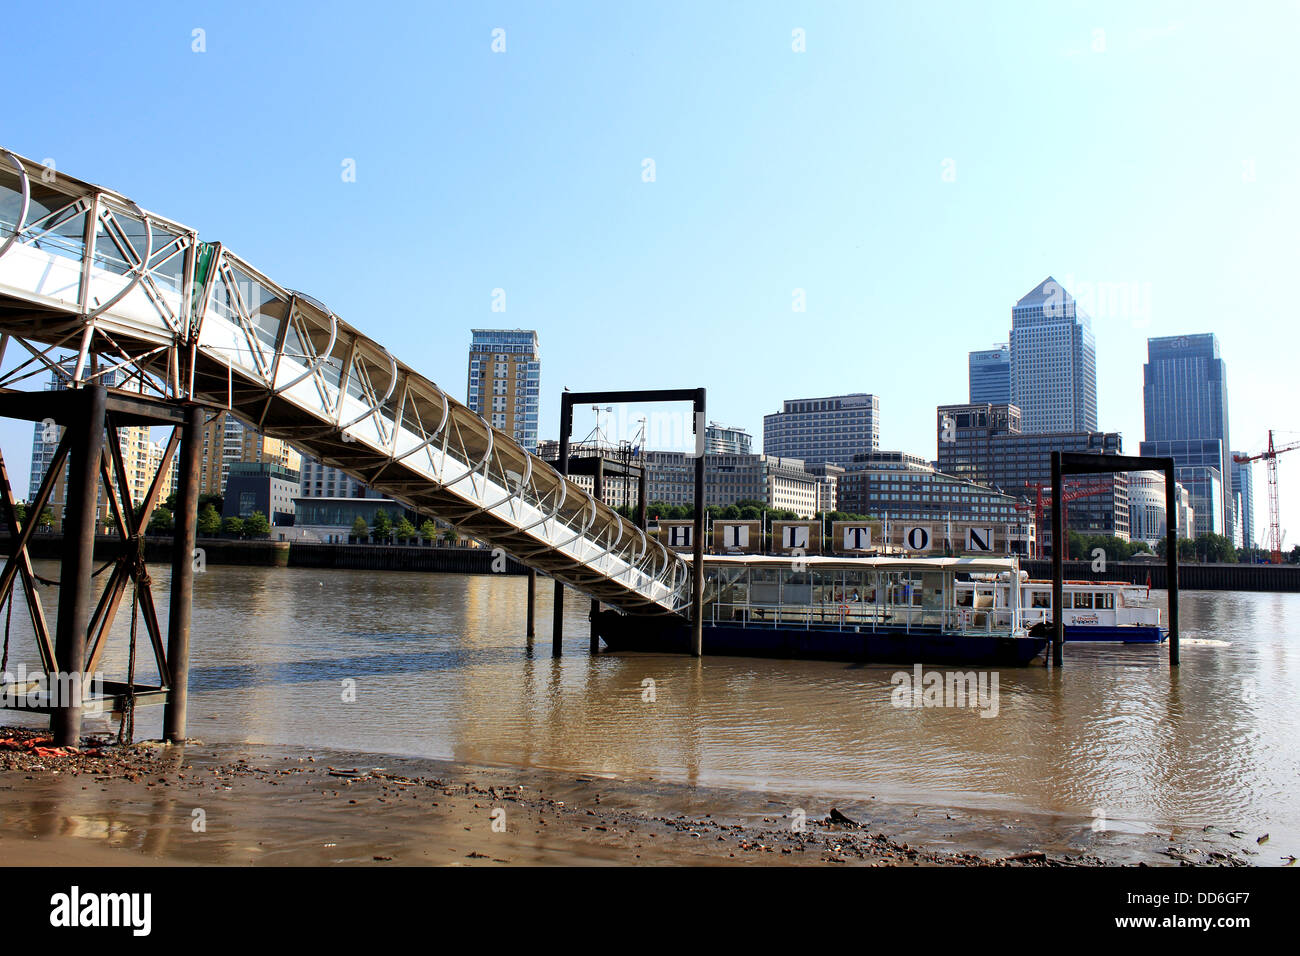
[(852, 537)]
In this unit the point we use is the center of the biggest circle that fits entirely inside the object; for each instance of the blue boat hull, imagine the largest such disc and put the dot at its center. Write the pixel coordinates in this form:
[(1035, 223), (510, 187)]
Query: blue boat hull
[(622, 632), (1117, 634)]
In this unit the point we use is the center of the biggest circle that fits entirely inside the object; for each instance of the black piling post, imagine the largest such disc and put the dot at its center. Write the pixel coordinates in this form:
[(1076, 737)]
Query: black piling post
[(557, 619), (184, 538), (1059, 544), (1171, 557), (697, 564), (598, 489), (532, 603), (641, 504), (75, 584)]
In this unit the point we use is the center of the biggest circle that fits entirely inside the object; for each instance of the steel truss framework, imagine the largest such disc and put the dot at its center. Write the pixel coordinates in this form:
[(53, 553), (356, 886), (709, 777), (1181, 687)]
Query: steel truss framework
[(127, 566), (86, 271)]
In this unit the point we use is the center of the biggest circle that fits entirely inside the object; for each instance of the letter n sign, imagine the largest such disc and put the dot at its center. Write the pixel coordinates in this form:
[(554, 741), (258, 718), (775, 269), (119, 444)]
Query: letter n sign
[(679, 535), (916, 538), (979, 539), (794, 536)]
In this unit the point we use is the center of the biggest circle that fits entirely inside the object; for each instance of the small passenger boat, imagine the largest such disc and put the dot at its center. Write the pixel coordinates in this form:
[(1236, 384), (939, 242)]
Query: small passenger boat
[(1094, 610), (883, 610)]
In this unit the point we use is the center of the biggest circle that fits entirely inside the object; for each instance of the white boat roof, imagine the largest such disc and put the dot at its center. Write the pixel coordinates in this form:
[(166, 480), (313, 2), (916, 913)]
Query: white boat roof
[(832, 561)]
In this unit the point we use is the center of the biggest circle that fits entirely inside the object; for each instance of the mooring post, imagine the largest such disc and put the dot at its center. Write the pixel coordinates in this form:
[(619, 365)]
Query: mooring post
[(557, 618), (1171, 557), (1059, 544), (598, 489), (697, 564), (184, 538), (75, 585), (532, 603)]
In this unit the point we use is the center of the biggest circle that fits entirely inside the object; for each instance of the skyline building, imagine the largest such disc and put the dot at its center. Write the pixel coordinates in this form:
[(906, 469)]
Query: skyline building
[(1184, 400), (1196, 468), (989, 375), (780, 483), (983, 443), (722, 439), (1053, 362), (504, 381), (822, 431), (1243, 489), (227, 441)]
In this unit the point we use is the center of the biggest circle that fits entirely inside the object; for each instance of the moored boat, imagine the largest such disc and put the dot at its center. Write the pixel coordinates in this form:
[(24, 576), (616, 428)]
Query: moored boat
[(884, 610), (1093, 610)]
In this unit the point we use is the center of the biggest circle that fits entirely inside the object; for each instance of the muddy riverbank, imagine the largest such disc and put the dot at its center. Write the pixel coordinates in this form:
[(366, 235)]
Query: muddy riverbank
[(239, 804)]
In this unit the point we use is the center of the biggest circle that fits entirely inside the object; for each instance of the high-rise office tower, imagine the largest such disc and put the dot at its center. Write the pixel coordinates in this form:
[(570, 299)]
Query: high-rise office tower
[(1053, 362), (823, 430), (1185, 400), (505, 374), (1243, 489), (989, 372)]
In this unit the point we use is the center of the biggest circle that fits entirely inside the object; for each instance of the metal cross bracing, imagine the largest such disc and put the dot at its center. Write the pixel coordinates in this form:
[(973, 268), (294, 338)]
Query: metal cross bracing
[(85, 270)]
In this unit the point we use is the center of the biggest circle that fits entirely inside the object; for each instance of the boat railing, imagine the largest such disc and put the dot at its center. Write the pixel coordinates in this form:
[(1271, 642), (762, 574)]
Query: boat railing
[(858, 616)]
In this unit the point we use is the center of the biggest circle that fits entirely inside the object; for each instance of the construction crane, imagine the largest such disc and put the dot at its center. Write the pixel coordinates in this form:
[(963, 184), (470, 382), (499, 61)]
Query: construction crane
[(1043, 500), (1274, 521)]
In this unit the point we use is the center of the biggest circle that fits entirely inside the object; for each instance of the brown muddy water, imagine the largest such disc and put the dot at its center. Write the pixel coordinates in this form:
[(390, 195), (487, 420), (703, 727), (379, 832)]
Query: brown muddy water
[(442, 669)]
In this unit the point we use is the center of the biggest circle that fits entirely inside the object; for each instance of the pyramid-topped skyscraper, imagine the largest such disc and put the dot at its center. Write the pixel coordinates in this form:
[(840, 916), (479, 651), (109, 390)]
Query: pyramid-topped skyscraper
[(1053, 362)]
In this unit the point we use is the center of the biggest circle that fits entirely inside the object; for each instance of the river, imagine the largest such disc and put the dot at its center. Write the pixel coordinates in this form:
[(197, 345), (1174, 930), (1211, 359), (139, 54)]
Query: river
[(439, 666)]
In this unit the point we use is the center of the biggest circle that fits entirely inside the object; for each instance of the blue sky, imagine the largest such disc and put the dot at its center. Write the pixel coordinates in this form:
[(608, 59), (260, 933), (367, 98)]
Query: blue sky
[(915, 171)]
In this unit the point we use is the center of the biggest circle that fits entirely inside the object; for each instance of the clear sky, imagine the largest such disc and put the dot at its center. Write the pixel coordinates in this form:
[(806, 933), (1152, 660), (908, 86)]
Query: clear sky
[(915, 170)]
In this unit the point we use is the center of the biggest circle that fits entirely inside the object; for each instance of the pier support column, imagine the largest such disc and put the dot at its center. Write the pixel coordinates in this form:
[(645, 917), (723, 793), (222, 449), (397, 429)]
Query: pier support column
[(182, 590), (697, 564), (532, 603), (557, 621), (1171, 558), (1059, 544), (86, 448), (598, 489)]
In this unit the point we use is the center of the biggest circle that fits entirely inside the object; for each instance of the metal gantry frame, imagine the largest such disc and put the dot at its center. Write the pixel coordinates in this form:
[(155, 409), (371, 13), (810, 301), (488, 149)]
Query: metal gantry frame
[(86, 271), (697, 397), (1080, 463)]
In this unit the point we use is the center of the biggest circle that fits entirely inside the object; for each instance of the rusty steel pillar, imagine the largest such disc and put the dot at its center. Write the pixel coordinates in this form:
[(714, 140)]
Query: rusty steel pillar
[(183, 562), (75, 582)]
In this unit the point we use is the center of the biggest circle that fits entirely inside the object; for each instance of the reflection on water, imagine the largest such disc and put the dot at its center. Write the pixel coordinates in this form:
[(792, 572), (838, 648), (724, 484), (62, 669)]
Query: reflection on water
[(442, 669)]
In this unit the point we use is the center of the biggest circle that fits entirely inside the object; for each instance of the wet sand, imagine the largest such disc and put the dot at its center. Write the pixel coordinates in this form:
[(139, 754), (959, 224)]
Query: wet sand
[(155, 804)]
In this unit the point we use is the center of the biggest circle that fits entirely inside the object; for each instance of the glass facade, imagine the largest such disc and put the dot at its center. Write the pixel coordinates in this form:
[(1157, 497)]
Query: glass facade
[(1184, 399), (1053, 362), (989, 372), (822, 431)]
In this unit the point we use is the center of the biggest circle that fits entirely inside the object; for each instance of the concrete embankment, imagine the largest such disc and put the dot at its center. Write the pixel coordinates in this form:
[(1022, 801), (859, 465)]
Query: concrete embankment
[(286, 554), (1191, 577)]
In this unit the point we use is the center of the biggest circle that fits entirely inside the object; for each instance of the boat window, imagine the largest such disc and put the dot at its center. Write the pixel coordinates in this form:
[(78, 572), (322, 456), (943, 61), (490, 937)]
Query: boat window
[(1106, 601), (827, 588), (1083, 599), (1041, 599), (796, 587)]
